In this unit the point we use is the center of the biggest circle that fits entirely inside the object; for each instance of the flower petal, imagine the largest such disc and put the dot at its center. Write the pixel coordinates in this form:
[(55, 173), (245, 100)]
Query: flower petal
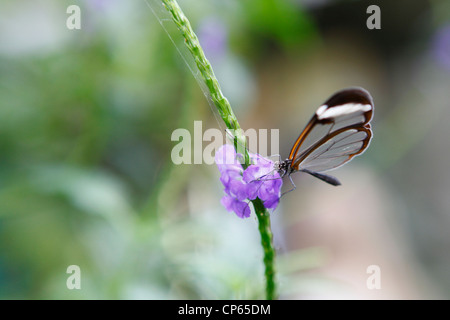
[(242, 209), (251, 173), (238, 189), (225, 158), (227, 202), (272, 202), (252, 189)]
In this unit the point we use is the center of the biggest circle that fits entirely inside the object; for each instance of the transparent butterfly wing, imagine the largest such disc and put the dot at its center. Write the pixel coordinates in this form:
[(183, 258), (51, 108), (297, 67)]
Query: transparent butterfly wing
[(336, 150), (338, 131)]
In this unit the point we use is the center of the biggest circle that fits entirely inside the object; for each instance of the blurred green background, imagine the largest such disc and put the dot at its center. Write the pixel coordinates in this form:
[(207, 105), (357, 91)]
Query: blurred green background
[(86, 177)]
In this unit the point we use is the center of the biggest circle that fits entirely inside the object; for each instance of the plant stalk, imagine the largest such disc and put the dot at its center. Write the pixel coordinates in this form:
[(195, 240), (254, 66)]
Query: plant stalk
[(231, 122)]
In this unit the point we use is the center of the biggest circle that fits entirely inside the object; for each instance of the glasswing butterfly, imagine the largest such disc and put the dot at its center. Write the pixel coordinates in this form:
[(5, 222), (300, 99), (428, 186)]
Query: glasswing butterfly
[(338, 131)]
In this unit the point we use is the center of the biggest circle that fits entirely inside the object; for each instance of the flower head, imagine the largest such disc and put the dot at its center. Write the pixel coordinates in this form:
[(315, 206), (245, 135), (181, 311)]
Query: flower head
[(259, 180), (213, 35), (441, 46)]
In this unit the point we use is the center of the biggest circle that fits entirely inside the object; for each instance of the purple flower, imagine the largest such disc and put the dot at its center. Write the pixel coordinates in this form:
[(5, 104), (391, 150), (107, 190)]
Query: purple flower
[(259, 180), (213, 36), (241, 208), (263, 182), (441, 46), (99, 4)]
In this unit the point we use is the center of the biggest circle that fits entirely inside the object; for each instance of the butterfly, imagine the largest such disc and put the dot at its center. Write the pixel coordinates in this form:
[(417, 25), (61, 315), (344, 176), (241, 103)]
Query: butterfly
[(338, 131)]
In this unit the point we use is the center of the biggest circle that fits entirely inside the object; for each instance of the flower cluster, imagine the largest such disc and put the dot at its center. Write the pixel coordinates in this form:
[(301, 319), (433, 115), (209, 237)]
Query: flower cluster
[(259, 180), (441, 46)]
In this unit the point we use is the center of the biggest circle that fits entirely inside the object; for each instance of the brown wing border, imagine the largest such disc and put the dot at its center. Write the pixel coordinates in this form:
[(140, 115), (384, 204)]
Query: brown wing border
[(346, 96), (366, 141)]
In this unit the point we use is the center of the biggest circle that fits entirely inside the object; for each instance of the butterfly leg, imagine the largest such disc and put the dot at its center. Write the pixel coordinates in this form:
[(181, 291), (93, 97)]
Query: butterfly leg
[(293, 186)]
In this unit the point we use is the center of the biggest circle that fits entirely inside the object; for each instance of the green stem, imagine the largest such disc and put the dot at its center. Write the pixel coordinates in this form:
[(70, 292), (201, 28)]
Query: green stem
[(269, 252), (225, 111)]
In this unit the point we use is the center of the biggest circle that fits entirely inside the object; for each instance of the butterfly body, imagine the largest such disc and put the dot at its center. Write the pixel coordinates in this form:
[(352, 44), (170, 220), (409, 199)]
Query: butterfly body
[(283, 167)]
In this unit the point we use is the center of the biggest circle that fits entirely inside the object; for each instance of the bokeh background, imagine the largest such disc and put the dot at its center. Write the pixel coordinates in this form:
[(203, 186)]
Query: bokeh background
[(86, 176)]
